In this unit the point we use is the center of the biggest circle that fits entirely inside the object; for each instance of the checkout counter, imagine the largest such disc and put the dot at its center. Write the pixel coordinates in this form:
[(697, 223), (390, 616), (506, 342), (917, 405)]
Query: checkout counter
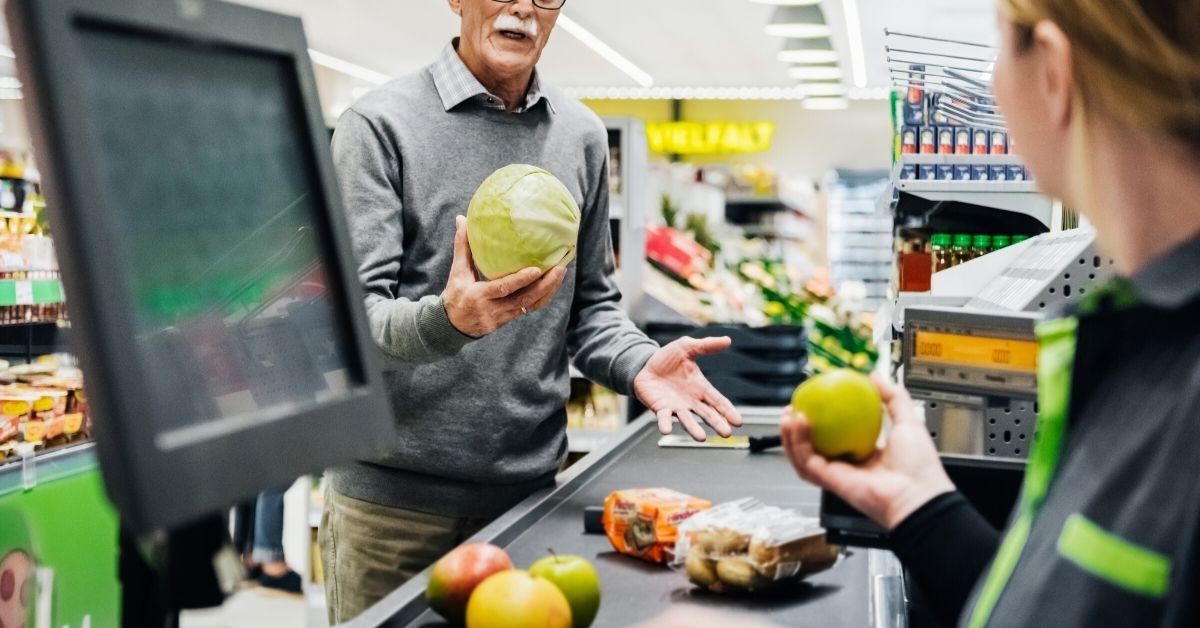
[(865, 589)]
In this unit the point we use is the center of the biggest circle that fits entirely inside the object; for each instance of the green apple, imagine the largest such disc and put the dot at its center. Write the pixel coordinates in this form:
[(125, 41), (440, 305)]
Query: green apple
[(845, 412), (577, 579)]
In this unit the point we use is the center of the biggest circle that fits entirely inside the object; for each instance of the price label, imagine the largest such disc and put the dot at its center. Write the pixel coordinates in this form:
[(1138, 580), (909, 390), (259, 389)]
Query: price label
[(34, 431), (24, 293)]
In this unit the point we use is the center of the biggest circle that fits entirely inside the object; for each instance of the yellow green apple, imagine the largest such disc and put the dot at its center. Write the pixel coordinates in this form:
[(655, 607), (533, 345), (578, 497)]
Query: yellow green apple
[(578, 581), (844, 411), (517, 599)]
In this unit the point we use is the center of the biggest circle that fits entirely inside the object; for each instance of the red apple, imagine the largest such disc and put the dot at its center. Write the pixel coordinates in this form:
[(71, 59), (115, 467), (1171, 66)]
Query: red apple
[(457, 574)]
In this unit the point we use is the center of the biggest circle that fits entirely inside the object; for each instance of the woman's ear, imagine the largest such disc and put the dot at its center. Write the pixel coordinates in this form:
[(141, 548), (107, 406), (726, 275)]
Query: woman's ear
[(1057, 71), (456, 6)]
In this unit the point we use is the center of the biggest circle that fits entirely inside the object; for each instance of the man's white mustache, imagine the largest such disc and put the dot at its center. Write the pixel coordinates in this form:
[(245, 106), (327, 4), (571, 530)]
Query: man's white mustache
[(527, 27)]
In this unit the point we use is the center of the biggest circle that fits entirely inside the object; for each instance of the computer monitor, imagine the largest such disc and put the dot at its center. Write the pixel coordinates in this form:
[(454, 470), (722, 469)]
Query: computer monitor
[(207, 265)]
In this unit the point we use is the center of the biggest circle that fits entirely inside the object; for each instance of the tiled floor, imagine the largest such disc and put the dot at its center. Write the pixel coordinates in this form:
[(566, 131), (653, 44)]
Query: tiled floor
[(259, 608)]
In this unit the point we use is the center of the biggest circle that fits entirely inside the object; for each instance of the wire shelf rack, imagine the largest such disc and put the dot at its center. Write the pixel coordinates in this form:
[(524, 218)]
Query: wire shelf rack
[(959, 71)]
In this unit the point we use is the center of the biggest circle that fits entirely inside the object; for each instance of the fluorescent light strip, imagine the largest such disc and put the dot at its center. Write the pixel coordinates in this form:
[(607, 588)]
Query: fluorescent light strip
[(348, 68), (787, 3), (858, 55), (640, 76)]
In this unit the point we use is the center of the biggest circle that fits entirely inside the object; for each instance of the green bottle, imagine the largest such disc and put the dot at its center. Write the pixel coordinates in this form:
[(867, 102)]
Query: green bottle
[(1019, 239), (982, 245), (961, 250), (1001, 242), (942, 259)]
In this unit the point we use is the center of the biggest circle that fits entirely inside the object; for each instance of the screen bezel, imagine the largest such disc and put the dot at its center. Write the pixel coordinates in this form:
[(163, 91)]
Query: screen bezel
[(207, 476)]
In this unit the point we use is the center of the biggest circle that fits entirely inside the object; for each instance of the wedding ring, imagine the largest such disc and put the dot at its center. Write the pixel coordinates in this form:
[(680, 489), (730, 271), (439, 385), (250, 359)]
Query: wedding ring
[(524, 311)]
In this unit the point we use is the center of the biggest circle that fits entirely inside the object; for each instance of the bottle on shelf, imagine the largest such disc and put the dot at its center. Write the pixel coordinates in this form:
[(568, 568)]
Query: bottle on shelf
[(1001, 242), (981, 245), (942, 256), (1019, 239), (960, 250)]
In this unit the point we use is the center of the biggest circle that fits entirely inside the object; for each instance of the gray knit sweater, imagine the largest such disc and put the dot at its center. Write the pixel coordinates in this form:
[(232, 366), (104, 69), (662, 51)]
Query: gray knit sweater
[(481, 423)]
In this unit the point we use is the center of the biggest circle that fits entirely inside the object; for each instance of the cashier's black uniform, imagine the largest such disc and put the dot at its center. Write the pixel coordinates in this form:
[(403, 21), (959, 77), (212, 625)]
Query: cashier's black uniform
[(1112, 538)]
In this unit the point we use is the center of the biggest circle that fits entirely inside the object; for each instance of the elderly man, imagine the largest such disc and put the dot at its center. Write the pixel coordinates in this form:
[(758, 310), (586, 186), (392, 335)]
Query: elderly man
[(479, 373)]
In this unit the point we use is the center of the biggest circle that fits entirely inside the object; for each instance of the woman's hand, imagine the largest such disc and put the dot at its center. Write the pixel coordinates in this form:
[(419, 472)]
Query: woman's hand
[(894, 482)]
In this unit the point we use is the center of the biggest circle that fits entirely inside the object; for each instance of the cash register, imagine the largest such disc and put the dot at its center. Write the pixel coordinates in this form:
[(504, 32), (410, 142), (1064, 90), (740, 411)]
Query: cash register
[(970, 364)]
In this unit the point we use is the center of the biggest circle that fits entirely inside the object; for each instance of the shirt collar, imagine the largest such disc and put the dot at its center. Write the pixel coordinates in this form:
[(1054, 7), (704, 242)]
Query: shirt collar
[(456, 84), (1174, 280)]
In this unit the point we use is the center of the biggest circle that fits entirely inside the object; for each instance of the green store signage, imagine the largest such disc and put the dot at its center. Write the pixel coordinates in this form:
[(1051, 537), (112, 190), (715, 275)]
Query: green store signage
[(58, 547)]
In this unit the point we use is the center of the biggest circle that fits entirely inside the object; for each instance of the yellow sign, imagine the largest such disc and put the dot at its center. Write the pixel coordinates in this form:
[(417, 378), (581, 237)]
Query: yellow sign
[(1017, 355), (709, 138)]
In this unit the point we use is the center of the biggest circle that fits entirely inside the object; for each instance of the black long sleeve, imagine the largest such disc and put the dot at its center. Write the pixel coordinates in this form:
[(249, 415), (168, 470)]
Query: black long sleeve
[(946, 545)]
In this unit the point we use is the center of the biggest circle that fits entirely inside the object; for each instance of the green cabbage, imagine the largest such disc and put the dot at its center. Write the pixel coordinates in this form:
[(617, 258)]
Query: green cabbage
[(521, 217)]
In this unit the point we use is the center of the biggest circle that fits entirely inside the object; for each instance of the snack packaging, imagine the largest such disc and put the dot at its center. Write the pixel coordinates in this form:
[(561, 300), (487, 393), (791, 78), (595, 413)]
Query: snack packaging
[(748, 546), (643, 522)]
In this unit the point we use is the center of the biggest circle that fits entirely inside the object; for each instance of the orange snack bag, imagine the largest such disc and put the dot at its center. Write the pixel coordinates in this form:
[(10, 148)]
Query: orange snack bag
[(643, 522)]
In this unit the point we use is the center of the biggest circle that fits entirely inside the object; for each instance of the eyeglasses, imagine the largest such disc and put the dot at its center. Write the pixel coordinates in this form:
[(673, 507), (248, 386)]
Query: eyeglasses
[(549, 5)]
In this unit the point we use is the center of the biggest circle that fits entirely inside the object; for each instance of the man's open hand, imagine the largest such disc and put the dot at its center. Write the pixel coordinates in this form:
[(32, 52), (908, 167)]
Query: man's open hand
[(672, 386), (478, 308)]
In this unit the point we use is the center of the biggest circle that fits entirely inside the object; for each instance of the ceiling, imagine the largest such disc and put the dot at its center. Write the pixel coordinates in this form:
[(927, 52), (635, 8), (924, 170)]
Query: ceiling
[(680, 43)]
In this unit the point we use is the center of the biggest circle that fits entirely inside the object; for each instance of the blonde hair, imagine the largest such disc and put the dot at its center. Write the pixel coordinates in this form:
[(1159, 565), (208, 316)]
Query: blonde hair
[(1138, 60)]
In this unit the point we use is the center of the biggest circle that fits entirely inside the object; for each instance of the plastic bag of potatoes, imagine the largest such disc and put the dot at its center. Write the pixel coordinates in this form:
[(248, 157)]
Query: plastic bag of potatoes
[(749, 546)]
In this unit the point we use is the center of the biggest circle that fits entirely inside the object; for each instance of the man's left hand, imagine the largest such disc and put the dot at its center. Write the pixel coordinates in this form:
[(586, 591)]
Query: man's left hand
[(672, 386)]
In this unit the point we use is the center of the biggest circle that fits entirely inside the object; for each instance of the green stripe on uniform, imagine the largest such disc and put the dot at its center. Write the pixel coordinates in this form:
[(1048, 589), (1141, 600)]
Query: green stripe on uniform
[(1112, 558)]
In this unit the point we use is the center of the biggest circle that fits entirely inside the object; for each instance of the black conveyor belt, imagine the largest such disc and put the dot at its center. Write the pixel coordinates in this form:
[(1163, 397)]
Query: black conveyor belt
[(633, 590)]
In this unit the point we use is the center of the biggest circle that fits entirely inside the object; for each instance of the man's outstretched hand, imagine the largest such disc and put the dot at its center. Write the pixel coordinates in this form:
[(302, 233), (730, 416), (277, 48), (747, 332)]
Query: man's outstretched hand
[(672, 387)]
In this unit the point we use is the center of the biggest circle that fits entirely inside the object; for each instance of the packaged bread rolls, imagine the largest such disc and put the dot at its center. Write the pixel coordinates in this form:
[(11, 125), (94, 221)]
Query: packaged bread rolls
[(749, 546)]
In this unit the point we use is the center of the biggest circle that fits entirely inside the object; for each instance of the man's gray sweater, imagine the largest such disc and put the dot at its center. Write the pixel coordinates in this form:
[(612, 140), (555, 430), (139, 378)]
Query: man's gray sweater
[(481, 422)]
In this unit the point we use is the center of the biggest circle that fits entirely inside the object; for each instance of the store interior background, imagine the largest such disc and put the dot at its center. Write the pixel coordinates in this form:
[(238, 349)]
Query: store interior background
[(696, 61)]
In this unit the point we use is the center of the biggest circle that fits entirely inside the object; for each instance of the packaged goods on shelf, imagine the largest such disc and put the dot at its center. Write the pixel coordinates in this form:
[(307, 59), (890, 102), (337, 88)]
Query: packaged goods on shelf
[(42, 405), (859, 236)]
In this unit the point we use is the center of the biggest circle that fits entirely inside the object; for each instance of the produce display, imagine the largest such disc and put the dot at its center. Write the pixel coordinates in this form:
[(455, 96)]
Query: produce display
[(41, 404), (643, 522), (747, 546), (476, 585), (522, 217), (844, 411), (840, 338)]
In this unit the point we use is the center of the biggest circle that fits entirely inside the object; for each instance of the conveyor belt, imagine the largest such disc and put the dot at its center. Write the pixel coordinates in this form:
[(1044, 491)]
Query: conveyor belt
[(634, 590)]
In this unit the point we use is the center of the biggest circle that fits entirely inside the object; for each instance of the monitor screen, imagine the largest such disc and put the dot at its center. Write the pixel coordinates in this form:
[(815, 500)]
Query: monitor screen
[(217, 199)]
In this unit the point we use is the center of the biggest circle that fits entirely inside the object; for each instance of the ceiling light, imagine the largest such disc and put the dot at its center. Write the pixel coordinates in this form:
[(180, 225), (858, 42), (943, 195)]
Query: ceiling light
[(858, 56), (808, 51), (815, 72), (825, 104), (347, 68), (787, 3), (823, 89), (604, 50), (799, 22), (686, 93)]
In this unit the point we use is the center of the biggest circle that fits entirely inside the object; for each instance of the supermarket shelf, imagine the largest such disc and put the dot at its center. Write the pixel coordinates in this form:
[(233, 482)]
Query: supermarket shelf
[(582, 441), (30, 292), (1020, 197), (946, 160)]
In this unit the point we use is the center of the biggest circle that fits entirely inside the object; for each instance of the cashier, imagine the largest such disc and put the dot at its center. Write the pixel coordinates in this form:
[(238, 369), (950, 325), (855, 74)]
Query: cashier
[(1103, 103), (479, 374)]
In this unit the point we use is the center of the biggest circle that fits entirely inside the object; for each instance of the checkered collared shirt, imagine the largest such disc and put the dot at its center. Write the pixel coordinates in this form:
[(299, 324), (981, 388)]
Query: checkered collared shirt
[(456, 85)]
